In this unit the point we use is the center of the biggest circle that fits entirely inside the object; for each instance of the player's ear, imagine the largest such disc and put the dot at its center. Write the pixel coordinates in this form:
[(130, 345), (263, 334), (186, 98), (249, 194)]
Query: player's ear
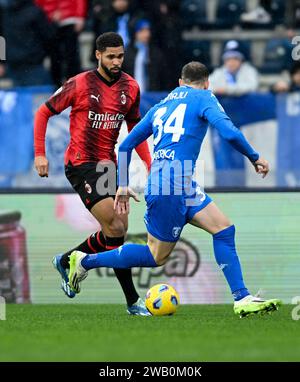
[(206, 85), (98, 55), (180, 82)]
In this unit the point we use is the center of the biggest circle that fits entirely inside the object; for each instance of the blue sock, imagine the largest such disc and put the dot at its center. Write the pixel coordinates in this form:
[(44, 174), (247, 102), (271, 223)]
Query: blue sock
[(228, 261), (126, 256)]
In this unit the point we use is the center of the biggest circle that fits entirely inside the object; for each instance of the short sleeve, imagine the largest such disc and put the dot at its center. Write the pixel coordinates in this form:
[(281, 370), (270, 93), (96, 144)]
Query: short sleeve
[(134, 114), (63, 97), (210, 108)]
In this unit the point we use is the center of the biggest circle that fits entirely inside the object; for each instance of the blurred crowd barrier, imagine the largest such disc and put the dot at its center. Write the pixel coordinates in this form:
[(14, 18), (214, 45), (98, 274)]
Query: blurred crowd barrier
[(271, 124)]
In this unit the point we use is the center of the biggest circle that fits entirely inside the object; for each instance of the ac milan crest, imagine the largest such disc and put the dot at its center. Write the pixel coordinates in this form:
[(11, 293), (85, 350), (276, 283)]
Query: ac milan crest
[(88, 188), (123, 98)]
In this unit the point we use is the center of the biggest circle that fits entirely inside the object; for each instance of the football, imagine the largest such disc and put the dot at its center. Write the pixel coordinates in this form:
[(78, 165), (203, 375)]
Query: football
[(162, 300)]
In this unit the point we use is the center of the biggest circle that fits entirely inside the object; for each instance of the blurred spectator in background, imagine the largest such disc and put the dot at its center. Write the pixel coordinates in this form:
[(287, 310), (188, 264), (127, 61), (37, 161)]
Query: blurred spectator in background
[(28, 36), (278, 51), (115, 16), (260, 15), (68, 17), (292, 17), (144, 61), (167, 29), (268, 13), (292, 86), (235, 77)]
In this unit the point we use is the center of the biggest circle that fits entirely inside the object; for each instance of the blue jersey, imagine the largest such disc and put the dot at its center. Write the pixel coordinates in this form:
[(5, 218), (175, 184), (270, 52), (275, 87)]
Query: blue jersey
[(179, 124)]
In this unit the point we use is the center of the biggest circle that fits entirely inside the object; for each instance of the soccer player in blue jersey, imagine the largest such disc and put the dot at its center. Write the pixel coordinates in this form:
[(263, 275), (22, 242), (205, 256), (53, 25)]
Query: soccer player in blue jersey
[(179, 124)]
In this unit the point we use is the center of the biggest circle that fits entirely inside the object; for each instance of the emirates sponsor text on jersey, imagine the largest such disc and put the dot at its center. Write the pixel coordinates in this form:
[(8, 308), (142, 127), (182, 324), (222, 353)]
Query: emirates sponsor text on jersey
[(105, 120)]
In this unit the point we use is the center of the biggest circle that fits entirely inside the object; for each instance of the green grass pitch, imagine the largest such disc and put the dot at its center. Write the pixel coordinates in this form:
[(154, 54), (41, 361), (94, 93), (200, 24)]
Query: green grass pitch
[(107, 333)]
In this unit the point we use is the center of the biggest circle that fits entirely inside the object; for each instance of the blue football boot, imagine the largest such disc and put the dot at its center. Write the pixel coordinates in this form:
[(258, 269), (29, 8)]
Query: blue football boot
[(138, 309), (65, 279)]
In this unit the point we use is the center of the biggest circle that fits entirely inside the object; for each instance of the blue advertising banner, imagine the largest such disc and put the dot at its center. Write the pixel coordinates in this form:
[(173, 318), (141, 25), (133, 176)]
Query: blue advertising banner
[(243, 110), (16, 134), (288, 145), (17, 108)]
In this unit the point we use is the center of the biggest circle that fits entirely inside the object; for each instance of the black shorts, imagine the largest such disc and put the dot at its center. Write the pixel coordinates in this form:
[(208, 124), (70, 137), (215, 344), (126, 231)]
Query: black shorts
[(92, 182)]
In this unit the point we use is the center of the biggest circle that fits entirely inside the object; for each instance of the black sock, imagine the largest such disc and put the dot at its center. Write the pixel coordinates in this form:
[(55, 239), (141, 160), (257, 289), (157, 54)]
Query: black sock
[(93, 244), (98, 243), (125, 279), (123, 275)]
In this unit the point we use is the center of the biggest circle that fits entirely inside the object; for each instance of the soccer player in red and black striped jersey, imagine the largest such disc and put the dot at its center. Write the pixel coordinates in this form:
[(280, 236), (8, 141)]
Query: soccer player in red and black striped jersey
[(101, 100)]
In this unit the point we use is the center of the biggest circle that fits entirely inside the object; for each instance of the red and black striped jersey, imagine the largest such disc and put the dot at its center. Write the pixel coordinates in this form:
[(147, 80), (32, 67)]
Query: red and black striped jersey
[(98, 109)]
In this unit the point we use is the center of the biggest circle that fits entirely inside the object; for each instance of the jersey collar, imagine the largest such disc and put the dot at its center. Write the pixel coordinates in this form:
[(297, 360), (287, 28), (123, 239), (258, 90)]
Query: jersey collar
[(108, 83)]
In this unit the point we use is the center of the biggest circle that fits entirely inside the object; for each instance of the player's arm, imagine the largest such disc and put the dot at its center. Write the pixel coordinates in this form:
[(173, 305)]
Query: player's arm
[(61, 99), (140, 133), (40, 126), (143, 148), (216, 116), (132, 118)]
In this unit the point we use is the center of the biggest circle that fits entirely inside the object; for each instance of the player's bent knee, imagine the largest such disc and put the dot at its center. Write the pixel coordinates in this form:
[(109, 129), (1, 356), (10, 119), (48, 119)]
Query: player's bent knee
[(223, 224), (116, 229), (160, 257), (227, 223), (224, 228), (159, 252), (160, 261), (125, 227)]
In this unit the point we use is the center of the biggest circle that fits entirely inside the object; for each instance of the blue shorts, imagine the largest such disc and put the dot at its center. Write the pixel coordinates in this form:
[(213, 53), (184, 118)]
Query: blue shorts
[(166, 215)]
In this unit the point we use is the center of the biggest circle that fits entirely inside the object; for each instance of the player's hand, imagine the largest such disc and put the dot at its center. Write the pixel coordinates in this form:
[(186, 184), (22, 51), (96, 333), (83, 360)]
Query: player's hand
[(261, 167), (42, 165), (123, 195)]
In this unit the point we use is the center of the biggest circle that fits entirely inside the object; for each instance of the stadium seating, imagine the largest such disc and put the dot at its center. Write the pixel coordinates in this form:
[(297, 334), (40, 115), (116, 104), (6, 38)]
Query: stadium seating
[(197, 50), (277, 11), (229, 12), (277, 56), (193, 13)]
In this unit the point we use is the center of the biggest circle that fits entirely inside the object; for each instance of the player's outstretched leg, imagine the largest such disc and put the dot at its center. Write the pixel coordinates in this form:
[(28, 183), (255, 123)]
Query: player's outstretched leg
[(97, 243), (212, 220), (93, 244), (78, 273), (56, 261), (227, 259), (126, 256)]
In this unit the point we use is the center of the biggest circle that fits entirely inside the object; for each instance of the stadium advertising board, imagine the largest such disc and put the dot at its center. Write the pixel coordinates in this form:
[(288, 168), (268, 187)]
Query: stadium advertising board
[(36, 227)]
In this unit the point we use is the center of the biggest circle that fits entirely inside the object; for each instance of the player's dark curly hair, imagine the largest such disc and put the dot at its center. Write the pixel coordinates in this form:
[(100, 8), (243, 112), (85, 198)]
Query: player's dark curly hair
[(194, 72), (108, 40)]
